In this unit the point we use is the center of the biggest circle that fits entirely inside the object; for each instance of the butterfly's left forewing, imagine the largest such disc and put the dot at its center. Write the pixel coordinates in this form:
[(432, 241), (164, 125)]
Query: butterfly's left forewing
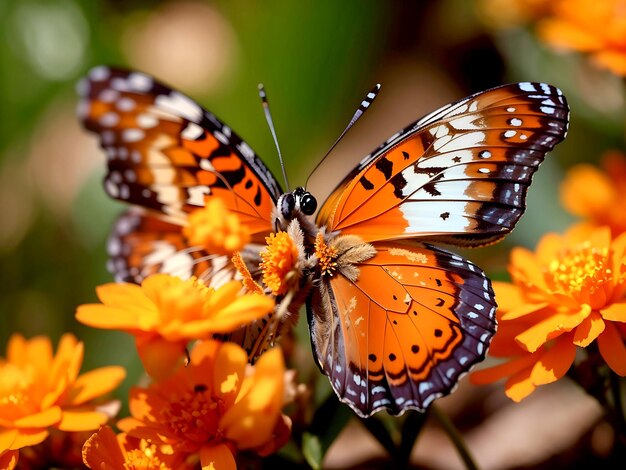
[(417, 318)]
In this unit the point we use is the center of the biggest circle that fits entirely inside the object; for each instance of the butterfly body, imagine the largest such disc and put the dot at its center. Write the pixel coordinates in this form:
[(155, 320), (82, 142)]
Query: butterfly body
[(395, 320)]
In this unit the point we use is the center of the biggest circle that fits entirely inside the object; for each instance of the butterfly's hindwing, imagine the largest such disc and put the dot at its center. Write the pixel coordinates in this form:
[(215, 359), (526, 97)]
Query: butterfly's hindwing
[(143, 243), (417, 318), (459, 175)]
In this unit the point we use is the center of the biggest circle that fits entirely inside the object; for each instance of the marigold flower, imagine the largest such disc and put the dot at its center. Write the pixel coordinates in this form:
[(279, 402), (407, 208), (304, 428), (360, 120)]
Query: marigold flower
[(39, 391), (216, 405), (281, 261), (106, 450), (597, 27), (216, 229), (599, 197), (166, 312), (569, 293)]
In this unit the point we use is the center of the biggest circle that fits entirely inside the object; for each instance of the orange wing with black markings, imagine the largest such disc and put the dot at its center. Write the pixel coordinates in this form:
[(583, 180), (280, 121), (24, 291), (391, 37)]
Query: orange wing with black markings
[(166, 153), (417, 318), (458, 175)]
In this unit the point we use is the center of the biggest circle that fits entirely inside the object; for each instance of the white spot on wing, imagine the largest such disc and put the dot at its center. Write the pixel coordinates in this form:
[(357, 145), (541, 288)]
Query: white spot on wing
[(179, 104)]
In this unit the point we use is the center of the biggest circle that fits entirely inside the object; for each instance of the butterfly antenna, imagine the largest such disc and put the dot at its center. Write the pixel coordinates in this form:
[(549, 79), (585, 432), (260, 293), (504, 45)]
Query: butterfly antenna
[(365, 104), (270, 123)]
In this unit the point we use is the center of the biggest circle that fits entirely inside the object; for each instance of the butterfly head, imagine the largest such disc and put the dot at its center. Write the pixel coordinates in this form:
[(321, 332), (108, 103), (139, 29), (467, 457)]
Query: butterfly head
[(299, 201)]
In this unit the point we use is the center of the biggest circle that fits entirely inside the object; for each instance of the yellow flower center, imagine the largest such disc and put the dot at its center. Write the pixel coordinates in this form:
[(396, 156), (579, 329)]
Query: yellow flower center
[(278, 261), (178, 300), (327, 256), (144, 458), (216, 229), (16, 391), (194, 417), (584, 270)]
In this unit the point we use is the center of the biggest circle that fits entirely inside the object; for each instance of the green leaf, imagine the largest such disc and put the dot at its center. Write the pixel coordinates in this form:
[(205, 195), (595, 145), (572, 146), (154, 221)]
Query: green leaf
[(312, 450)]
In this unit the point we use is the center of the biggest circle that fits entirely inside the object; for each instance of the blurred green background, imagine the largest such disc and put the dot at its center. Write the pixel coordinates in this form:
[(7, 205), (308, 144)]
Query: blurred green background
[(316, 59)]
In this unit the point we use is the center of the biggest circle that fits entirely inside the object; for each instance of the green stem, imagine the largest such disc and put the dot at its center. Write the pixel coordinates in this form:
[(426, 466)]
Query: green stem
[(455, 437)]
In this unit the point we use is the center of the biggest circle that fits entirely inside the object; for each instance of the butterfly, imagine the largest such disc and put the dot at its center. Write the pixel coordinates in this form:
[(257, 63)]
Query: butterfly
[(395, 321)]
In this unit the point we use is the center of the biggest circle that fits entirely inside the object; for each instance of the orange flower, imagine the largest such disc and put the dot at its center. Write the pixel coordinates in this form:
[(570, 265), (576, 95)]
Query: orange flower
[(166, 312), (596, 196), (597, 27), (106, 450), (282, 259), (216, 229), (215, 406), (39, 390), (569, 293)]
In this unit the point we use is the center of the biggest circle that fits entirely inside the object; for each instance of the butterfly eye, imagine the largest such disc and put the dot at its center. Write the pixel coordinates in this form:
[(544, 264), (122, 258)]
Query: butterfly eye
[(308, 204)]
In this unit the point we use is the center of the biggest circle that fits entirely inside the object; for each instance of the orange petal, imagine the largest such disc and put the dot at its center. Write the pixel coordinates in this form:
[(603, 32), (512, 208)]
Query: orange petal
[(523, 310), (562, 34), (8, 459), (82, 420), (218, 457), (103, 451), (554, 363), (612, 349), (111, 318), (7, 437), (251, 420), (508, 296), (500, 371), (243, 310), (229, 372), (613, 60), (160, 357), (95, 383), (43, 419), (548, 247), (224, 296), (28, 438), (16, 350), (615, 312), (519, 386), (144, 404), (39, 353), (588, 330), (575, 194), (539, 334), (525, 268), (122, 295)]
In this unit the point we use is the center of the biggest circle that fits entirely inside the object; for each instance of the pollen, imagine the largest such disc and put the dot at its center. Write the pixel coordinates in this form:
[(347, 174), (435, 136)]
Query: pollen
[(327, 256), (194, 416), (216, 229), (585, 269), (278, 262), (147, 456)]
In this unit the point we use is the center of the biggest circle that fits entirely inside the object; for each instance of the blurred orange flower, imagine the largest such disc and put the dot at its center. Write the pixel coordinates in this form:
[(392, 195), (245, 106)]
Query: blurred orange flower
[(215, 406), (569, 293), (106, 450), (216, 229), (597, 27), (597, 196), (166, 312), (39, 390)]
